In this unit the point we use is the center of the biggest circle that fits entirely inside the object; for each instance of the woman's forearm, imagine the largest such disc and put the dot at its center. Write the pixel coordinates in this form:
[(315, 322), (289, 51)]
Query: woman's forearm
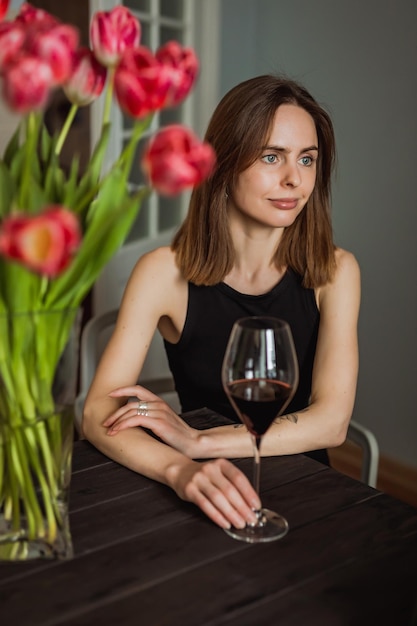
[(309, 429)]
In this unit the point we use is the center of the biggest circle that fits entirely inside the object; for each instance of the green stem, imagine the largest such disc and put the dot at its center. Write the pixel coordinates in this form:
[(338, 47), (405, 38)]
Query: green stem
[(126, 157), (109, 96), (65, 129), (18, 463), (30, 148), (48, 490)]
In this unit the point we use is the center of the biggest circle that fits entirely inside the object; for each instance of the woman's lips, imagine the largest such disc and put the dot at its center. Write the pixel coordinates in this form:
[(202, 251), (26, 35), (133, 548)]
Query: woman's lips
[(284, 203)]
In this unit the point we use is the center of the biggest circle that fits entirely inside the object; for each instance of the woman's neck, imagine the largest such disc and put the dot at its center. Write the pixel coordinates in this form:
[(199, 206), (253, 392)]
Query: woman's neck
[(254, 271)]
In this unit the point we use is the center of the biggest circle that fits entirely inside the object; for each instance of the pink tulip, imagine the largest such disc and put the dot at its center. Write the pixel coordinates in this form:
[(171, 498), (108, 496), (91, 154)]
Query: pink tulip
[(12, 37), (176, 159), (4, 7), (182, 65), (113, 32), (55, 46), (87, 79), (44, 243), (26, 84), (34, 17), (140, 85)]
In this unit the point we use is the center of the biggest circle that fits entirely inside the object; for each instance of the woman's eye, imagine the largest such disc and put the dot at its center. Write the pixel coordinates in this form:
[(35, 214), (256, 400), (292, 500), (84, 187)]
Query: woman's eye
[(307, 160), (269, 158)]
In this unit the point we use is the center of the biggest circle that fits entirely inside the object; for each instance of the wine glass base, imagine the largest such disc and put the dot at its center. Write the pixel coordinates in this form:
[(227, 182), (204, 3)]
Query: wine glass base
[(271, 526)]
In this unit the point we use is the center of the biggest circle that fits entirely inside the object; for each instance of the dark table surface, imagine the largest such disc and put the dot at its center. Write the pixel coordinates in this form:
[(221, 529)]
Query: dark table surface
[(144, 557)]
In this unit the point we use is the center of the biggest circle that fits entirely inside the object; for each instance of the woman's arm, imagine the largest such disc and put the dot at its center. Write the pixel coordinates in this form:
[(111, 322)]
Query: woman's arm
[(322, 424), (154, 292)]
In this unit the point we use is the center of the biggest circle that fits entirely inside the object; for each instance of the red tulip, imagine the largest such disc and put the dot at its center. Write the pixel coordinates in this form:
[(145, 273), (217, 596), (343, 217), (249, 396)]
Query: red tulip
[(26, 84), (4, 7), (56, 47), (12, 37), (141, 87), (182, 66), (34, 17), (87, 79), (113, 32), (176, 159), (44, 243)]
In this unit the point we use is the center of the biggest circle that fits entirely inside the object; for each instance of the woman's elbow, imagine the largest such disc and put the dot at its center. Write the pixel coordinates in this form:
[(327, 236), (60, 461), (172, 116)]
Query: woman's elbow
[(340, 431), (89, 424)]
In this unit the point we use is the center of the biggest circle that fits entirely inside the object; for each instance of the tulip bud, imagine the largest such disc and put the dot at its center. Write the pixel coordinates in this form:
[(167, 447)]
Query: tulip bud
[(26, 84), (113, 32), (38, 18), (140, 84), (12, 37), (175, 159), (181, 65), (87, 79), (56, 47)]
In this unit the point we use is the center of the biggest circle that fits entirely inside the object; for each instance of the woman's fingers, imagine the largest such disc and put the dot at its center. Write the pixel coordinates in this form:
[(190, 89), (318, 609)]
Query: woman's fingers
[(223, 493), (134, 390), (131, 413)]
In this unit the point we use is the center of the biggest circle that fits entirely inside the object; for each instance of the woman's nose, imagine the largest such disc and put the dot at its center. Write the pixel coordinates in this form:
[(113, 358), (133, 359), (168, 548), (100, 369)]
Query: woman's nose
[(291, 175)]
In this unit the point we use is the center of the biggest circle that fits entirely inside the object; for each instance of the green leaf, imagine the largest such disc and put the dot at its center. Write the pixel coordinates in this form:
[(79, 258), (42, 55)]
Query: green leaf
[(7, 190), (54, 182), (88, 186), (70, 187), (12, 147), (19, 287), (113, 214), (46, 145)]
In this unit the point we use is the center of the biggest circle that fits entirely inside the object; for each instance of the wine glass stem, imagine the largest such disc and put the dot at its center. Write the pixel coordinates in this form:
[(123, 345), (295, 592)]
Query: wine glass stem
[(256, 441)]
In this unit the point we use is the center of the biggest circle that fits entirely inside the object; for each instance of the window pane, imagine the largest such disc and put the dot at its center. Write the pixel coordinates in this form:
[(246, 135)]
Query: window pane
[(172, 8), (171, 116), (139, 5), (169, 212), (145, 37), (141, 225), (169, 33)]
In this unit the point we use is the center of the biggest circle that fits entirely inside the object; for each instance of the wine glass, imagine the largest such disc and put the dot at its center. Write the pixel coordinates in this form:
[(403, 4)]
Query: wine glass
[(260, 376)]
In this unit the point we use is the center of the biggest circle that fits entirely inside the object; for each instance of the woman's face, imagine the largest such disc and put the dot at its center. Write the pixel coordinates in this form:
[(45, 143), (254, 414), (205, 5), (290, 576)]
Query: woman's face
[(274, 189)]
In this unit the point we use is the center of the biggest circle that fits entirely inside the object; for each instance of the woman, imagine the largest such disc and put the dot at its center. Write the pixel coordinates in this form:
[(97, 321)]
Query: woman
[(257, 241)]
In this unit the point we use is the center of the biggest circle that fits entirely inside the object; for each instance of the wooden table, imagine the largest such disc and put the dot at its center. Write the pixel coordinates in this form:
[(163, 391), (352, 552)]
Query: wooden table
[(145, 558)]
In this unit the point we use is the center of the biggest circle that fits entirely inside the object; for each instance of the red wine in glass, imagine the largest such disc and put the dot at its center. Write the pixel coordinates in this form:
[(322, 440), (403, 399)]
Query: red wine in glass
[(260, 376), (259, 402)]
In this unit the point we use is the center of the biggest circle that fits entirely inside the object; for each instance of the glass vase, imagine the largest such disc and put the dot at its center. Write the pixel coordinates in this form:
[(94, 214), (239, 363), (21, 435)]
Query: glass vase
[(38, 377)]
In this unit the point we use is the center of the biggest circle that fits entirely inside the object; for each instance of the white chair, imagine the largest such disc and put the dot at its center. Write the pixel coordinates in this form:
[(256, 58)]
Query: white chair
[(366, 439)]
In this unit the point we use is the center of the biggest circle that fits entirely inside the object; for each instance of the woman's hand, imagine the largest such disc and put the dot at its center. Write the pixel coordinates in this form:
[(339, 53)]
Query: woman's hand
[(219, 489), (156, 415)]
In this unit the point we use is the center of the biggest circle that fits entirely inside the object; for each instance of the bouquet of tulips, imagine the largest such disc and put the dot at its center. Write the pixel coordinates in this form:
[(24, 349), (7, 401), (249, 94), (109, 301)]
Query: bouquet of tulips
[(58, 229)]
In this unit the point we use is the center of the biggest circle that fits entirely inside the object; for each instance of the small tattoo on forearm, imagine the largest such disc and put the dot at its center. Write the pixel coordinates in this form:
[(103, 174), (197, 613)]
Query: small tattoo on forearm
[(291, 417)]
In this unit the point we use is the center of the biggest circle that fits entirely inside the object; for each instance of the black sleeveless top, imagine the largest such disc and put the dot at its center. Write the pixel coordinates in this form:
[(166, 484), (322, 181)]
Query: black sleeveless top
[(196, 360)]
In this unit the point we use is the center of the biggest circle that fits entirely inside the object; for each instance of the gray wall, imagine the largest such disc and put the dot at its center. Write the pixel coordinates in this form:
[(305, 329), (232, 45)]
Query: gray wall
[(359, 58)]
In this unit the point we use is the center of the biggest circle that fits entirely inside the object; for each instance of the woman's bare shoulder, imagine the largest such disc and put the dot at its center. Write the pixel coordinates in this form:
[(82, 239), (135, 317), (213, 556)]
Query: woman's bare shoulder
[(346, 264), (345, 283), (157, 265)]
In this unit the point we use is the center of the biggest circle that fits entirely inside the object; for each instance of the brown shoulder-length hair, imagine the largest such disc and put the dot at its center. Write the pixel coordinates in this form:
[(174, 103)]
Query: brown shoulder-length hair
[(239, 127)]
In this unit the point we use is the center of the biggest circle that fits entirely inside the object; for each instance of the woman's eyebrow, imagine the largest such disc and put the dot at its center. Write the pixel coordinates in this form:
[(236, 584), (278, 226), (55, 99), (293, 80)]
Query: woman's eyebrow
[(281, 149)]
